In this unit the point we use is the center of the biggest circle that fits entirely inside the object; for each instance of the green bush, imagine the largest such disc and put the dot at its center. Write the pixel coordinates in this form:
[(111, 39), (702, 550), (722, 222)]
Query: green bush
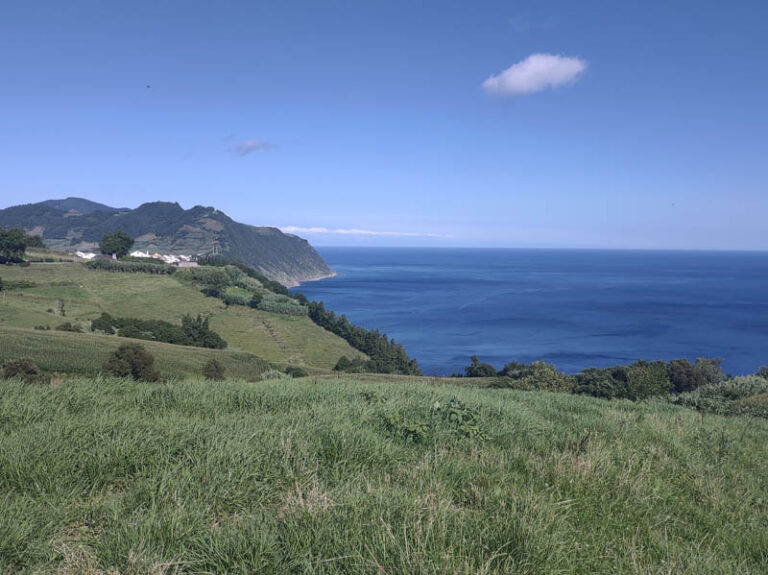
[(281, 304), (295, 371), (193, 331), (356, 365), (236, 299), (110, 265), (134, 361), (104, 323), (69, 326), (537, 375), (478, 369), (23, 369), (213, 370), (215, 278), (685, 376), (738, 396), (639, 380), (273, 375)]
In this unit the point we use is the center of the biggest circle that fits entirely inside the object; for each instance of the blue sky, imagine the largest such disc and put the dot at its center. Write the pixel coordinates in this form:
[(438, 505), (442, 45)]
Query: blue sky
[(635, 124)]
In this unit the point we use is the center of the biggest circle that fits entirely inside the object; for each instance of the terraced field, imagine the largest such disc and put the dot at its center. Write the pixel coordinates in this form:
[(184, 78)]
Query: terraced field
[(84, 294)]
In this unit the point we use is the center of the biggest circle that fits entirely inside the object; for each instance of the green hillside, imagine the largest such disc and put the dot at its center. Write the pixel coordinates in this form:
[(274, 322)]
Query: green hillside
[(86, 353), (35, 294), (166, 227), (338, 476)]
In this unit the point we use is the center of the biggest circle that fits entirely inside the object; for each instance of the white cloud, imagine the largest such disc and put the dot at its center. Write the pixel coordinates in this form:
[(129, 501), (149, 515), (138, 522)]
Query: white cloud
[(534, 74), (249, 146), (356, 232)]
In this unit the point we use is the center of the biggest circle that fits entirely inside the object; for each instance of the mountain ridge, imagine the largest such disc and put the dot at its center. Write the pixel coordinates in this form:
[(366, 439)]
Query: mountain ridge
[(166, 227)]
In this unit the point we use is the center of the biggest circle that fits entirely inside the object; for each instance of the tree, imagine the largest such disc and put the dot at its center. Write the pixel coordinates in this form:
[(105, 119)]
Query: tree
[(35, 242), (478, 369), (762, 372), (134, 361), (213, 370), (684, 376), (710, 369), (116, 243), (13, 244)]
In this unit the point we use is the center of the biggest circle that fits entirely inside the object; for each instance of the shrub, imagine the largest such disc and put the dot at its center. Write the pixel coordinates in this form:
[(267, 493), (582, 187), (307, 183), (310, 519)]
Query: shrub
[(138, 260), (281, 304), (756, 405), (737, 396), (134, 361), (356, 365), (273, 375), (193, 331), (69, 326), (255, 301), (639, 380), (131, 267), (235, 299), (536, 375), (763, 372), (104, 323), (23, 369), (43, 327), (295, 371), (211, 278), (478, 369), (213, 370)]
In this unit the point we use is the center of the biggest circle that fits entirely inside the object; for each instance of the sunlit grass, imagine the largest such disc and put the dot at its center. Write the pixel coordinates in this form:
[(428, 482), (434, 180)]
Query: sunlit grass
[(86, 293), (298, 476)]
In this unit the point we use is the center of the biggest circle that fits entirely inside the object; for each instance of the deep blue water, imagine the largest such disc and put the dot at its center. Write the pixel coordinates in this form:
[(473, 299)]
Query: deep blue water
[(574, 308)]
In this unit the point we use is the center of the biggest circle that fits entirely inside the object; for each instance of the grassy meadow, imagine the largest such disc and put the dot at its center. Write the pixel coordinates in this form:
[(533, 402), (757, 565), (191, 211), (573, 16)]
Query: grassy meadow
[(86, 353), (86, 293), (337, 475)]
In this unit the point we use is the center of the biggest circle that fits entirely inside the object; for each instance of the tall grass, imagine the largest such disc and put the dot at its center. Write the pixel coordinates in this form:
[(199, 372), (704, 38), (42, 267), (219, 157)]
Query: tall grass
[(305, 477)]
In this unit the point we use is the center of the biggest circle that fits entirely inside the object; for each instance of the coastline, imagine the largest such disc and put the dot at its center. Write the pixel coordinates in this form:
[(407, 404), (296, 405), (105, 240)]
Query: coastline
[(295, 283)]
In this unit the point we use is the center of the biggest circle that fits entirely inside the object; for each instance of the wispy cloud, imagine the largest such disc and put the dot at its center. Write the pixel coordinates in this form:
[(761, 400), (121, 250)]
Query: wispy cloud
[(534, 74), (249, 146), (356, 232)]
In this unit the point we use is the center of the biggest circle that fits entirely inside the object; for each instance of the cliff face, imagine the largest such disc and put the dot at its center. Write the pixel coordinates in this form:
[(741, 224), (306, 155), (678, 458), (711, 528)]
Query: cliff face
[(167, 228)]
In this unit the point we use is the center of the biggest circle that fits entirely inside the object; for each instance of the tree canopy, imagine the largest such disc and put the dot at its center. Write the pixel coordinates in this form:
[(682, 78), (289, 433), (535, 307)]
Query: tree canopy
[(118, 243), (13, 244)]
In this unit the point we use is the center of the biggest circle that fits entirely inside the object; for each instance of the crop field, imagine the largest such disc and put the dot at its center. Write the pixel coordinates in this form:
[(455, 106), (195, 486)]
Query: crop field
[(85, 293), (85, 353), (341, 476)]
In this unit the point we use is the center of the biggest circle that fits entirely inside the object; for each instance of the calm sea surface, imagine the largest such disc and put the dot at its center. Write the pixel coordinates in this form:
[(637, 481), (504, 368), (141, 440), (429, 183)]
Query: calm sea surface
[(575, 308)]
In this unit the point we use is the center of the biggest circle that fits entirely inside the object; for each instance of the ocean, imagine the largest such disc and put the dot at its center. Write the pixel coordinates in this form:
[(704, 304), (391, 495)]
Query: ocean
[(573, 308)]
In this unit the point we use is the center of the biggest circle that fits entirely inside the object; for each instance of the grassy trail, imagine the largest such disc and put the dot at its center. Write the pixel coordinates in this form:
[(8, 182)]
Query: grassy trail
[(342, 476)]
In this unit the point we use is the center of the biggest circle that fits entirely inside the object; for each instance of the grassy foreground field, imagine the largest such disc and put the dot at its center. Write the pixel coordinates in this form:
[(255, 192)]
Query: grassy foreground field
[(344, 476)]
